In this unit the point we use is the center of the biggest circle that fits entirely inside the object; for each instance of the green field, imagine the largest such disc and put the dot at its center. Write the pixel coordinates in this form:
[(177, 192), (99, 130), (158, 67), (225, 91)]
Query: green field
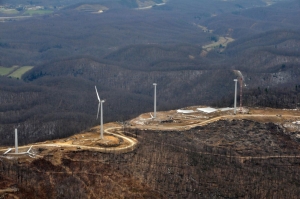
[(9, 11), (5, 71), (37, 12), (19, 72)]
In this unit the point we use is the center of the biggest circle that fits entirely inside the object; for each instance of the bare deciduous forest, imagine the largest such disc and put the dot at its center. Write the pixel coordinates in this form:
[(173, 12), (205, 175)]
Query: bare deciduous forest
[(123, 50), (123, 53), (200, 163)]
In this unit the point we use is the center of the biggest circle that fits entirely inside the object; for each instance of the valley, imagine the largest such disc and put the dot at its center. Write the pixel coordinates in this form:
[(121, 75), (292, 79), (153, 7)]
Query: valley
[(54, 53)]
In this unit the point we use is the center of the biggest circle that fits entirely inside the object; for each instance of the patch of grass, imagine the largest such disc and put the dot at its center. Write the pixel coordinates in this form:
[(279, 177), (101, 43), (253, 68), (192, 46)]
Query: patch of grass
[(91, 8), (37, 12), (9, 11), (4, 71), (19, 72), (220, 43)]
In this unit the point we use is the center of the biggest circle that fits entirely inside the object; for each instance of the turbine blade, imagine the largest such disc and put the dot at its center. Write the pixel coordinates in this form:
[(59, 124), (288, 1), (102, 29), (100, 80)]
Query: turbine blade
[(28, 151), (98, 110), (97, 94)]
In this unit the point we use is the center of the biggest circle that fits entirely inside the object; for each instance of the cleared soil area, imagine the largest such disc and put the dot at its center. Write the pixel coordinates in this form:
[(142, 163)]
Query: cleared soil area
[(191, 155), (114, 139), (172, 120)]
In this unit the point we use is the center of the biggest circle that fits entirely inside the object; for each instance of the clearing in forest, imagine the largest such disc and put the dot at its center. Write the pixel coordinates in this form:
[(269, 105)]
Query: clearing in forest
[(92, 8), (5, 71), (221, 43), (204, 29), (19, 72), (9, 11)]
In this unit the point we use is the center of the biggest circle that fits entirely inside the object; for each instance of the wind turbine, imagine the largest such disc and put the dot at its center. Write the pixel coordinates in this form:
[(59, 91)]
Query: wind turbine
[(242, 83), (154, 84), (235, 91), (16, 141), (101, 115)]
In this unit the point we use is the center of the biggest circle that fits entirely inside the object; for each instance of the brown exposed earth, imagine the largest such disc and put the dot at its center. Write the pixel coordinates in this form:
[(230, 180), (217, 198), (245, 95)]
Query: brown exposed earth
[(162, 158)]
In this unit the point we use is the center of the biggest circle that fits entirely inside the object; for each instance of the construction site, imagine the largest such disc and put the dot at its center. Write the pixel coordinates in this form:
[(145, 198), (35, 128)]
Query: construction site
[(179, 142)]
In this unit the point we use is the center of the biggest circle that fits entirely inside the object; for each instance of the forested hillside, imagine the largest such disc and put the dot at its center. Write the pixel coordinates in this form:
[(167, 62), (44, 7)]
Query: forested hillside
[(123, 50), (251, 160)]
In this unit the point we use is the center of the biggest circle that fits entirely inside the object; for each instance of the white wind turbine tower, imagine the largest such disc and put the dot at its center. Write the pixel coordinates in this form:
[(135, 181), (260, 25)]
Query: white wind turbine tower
[(242, 83), (16, 141), (154, 84), (101, 115), (235, 92)]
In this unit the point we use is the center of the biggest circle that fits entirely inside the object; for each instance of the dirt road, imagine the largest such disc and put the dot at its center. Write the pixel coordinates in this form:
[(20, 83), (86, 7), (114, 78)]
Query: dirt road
[(131, 142)]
